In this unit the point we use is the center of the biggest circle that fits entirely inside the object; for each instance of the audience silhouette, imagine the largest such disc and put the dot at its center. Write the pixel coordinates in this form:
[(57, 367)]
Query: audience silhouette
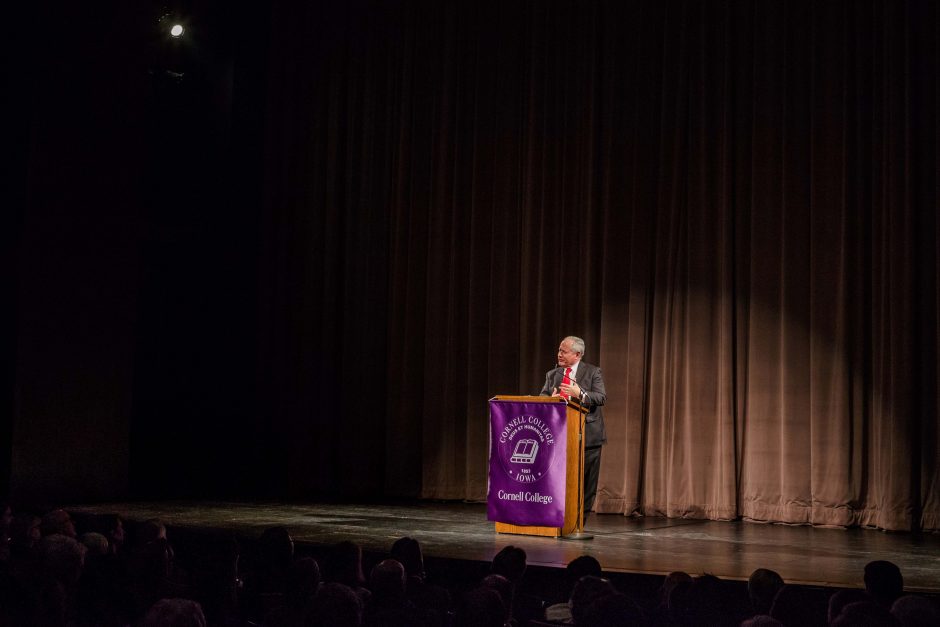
[(762, 586), (61, 571), (577, 568), (842, 598), (915, 611), (432, 600), (883, 582)]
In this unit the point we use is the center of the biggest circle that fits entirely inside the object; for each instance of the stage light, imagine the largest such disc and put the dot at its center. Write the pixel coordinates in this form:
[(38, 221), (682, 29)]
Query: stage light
[(176, 30)]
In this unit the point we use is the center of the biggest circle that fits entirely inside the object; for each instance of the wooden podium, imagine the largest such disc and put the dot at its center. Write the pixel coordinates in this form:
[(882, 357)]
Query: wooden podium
[(574, 472)]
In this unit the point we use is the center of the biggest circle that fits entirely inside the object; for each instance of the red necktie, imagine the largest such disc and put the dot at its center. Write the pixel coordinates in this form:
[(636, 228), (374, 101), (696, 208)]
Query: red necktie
[(566, 380)]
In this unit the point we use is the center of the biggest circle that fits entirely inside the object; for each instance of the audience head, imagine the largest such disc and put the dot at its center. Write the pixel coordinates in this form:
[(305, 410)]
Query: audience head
[(762, 587), (883, 582), (865, 614), (217, 578), (510, 563), (408, 552), (481, 608), (304, 579), (111, 526), (583, 566), (62, 558), (672, 579), (587, 591), (95, 543), (59, 522), (345, 564), (25, 531), (842, 598), (149, 531), (703, 601), (679, 600), (336, 605), (387, 580), (151, 562), (915, 611), (794, 606), (174, 613), (277, 548)]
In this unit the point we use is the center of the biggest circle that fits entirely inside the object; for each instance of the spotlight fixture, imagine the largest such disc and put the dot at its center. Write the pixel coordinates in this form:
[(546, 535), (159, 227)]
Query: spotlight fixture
[(170, 47), (172, 24)]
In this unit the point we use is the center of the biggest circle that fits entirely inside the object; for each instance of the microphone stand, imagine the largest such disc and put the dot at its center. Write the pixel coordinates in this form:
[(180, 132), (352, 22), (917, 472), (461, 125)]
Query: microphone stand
[(578, 533)]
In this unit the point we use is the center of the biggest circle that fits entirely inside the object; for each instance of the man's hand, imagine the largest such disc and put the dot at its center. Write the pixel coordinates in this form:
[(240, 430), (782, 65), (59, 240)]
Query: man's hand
[(572, 389), (555, 392)]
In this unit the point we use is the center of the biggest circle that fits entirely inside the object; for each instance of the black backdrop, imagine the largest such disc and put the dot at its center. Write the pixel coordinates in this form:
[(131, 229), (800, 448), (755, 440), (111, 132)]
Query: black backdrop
[(300, 269)]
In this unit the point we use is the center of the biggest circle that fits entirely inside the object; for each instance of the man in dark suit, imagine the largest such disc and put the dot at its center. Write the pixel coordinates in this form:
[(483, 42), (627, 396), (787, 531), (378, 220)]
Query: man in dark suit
[(578, 379)]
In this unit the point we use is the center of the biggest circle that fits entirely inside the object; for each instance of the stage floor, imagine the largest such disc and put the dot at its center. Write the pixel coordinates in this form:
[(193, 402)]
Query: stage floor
[(731, 550)]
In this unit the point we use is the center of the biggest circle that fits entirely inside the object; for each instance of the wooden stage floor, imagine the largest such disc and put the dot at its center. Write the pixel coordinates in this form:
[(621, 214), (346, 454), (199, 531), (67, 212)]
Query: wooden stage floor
[(731, 550)]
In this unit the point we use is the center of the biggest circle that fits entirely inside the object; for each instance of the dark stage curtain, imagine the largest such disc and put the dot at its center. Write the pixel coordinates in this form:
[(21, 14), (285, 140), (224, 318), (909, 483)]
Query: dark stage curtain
[(734, 203)]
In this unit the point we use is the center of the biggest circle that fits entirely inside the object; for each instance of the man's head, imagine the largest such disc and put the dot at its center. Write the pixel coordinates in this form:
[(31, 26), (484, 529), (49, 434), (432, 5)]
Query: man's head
[(762, 586), (586, 592), (62, 557), (581, 567), (408, 552), (883, 582), (388, 579), (25, 530), (570, 351), (58, 521), (510, 562)]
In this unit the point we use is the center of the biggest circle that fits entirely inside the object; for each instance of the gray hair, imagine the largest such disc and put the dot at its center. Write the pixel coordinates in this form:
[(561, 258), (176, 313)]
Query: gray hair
[(95, 542), (577, 344)]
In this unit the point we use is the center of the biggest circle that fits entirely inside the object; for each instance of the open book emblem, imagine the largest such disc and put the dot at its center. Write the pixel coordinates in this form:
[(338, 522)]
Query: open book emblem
[(525, 452)]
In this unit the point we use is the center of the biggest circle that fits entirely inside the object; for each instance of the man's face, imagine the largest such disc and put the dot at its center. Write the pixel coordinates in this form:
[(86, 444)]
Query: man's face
[(566, 356)]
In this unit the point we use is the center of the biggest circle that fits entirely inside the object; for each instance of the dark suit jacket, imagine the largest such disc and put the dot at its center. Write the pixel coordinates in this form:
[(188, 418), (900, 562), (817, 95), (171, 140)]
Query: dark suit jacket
[(590, 380)]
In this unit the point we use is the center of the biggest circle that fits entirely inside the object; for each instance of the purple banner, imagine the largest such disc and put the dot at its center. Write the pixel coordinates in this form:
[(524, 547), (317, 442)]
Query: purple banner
[(528, 460)]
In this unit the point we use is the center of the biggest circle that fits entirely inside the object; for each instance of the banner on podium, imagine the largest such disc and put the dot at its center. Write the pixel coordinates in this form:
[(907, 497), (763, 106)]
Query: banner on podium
[(528, 458)]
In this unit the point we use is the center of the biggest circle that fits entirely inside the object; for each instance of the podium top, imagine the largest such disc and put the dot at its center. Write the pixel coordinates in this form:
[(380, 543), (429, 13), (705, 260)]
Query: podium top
[(573, 403)]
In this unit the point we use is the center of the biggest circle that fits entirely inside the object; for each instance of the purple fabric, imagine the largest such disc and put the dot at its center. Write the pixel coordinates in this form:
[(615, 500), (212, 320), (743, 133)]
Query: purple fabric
[(528, 458)]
